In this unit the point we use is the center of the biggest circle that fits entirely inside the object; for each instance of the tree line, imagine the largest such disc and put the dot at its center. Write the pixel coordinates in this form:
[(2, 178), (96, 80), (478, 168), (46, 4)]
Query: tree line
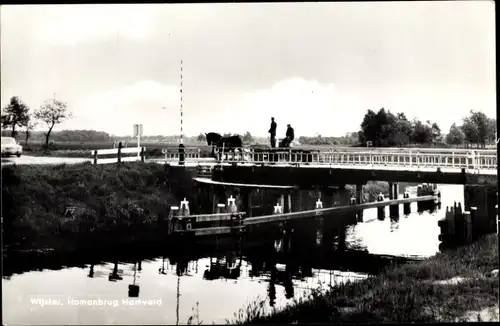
[(380, 129), (18, 115), (385, 129)]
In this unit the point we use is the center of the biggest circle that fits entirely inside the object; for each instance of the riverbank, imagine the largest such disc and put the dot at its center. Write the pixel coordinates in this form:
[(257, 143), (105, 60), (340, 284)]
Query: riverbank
[(456, 285), (108, 204), (65, 207)]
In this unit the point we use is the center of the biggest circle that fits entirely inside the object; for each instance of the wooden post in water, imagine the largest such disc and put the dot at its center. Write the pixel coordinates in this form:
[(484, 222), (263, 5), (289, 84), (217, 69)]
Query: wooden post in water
[(468, 227), (394, 209), (420, 192), (359, 200), (95, 157), (474, 224), (407, 206), (119, 152), (380, 210)]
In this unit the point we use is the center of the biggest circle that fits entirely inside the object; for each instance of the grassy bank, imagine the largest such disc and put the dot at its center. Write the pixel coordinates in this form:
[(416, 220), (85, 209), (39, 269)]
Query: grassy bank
[(113, 203), (422, 291)]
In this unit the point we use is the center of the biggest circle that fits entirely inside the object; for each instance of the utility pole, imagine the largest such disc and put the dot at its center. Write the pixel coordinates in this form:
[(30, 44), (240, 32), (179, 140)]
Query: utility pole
[(182, 133)]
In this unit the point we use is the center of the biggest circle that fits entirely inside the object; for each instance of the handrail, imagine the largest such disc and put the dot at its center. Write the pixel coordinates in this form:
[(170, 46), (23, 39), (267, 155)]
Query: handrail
[(409, 158), (416, 159)]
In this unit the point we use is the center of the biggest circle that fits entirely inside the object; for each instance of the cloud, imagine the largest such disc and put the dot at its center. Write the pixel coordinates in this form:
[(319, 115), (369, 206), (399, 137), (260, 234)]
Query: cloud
[(309, 106), (116, 110), (72, 24)]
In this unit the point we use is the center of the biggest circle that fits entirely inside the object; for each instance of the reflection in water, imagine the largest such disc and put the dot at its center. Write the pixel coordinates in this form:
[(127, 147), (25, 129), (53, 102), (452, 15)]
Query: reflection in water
[(178, 298), (394, 223), (91, 271), (133, 289), (315, 253), (114, 275)]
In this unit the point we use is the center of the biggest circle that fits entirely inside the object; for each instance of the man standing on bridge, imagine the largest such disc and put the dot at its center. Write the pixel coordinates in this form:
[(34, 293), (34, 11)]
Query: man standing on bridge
[(290, 135), (272, 131)]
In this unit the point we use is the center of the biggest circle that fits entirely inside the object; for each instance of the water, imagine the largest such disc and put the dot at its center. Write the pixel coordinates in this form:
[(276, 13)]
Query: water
[(174, 297)]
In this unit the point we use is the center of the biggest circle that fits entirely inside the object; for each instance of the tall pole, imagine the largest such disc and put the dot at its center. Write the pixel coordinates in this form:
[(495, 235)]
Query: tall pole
[(182, 134)]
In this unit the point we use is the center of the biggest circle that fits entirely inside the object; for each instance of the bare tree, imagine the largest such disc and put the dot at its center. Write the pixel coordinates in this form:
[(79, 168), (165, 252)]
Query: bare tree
[(52, 112), (31, 124)]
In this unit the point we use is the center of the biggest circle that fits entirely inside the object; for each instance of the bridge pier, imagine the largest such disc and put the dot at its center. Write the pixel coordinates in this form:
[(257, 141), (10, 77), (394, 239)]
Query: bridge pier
[(359, 200), (296, 200), (246, 198), (341, 197), (288, 202), (328, 197)]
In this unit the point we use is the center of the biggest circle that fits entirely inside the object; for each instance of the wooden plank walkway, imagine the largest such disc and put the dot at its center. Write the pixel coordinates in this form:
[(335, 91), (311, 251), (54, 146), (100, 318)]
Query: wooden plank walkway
[(339, 209), (210, 181)]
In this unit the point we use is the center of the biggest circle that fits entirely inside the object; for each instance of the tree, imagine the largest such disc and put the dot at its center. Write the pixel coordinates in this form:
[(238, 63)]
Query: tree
[(422, 133), (385, 129), (471, 133), (455, 136), (492, 130), (482, 122), (31, 124), (369, 128), (478, 128), (435, 133), (201, 137), (247, 138), (15, 114), (52, 112)]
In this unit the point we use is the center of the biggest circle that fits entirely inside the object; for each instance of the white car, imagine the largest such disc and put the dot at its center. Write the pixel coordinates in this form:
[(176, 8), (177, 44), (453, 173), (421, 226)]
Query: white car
[(11, 147)]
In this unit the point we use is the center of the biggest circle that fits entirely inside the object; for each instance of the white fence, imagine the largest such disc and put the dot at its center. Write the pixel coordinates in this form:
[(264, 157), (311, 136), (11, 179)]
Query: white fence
[(139, 151)]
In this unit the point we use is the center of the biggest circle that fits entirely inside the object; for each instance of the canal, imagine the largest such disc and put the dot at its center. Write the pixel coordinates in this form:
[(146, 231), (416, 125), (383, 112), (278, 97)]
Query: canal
[(215, 281)]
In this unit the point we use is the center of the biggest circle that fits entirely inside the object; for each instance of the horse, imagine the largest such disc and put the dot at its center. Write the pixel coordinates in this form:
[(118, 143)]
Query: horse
[(228, 143)]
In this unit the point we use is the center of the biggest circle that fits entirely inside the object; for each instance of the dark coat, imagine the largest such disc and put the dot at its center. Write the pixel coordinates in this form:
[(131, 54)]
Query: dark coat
[(272, 130), (290, 133)]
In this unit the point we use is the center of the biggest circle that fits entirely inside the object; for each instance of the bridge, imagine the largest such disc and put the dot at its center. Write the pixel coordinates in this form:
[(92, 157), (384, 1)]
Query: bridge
[(344, 165)]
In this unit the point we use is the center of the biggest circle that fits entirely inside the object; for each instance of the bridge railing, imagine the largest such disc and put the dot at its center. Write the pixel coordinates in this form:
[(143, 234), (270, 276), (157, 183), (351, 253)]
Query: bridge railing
[(191, 154), (415, 159)]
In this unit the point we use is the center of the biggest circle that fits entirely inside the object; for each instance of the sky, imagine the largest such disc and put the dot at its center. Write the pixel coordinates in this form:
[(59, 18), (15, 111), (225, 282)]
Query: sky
[(317, 66)]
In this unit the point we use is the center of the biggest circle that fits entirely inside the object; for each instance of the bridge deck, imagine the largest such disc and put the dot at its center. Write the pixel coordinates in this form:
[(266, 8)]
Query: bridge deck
[(345, 166)]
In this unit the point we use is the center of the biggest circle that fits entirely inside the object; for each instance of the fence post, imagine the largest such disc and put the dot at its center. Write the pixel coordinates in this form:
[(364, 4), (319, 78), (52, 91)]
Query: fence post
[(468, 227), (142, 154), (181, 154), (119, 152), (95, 157)]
